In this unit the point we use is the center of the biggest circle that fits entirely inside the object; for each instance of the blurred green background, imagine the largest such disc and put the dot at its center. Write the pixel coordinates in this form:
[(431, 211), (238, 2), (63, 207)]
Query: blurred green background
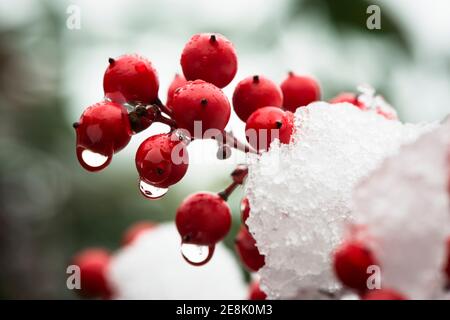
[(50, 207)]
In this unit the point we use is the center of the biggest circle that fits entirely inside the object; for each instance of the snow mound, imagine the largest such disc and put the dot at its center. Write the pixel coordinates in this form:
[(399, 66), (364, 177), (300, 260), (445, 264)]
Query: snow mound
[(152, 268), (405, 207), (300, 194)]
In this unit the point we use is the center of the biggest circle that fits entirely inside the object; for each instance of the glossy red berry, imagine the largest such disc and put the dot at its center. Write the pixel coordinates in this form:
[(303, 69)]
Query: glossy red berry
[(347, 97), (199, 106), (253, 93), (135, 231), (131, 78), (162, 160), (209, 57), (299, 91), (255, 292), (351, 261), (248, 251), (268, 123), (93, 264), (203, 218), (178, 81), (103, 129), (245, 210), (383, 294)]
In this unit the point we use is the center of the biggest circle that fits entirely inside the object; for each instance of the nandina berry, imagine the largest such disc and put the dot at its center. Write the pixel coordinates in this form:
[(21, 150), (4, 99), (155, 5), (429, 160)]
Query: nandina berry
[(351, 261), (299, 91), (93, 264), (202, 105), (268, 123), (253, 93), (248, 251), (348, 97), (178, 81), (245, 210), (135, 231), (162, 160), (131, 78), (103, 129), (203, 218), (255, 292), (383, 294), (209, 57)]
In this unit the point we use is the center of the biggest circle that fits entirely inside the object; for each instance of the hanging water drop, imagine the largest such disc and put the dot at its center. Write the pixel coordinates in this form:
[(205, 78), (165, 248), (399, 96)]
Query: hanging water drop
[(151, 192), (195, 254), (92, 161)]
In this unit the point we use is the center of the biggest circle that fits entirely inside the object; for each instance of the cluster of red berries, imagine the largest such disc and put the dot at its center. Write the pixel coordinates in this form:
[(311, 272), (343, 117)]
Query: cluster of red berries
[(195, 105), (351, 262)]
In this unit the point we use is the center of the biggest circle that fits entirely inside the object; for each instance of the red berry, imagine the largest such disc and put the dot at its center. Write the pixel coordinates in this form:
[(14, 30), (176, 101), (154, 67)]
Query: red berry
[(209, 57), (93, 264), (248, 251), (447, 264), (203, 218), (299, 91), (351, 261), (103, 129), (253, 93), (268, 123), (131, 78), (162, 160), (347, 97), (245, 210), (383, 294), (255, 292), (203, 103), (135, 231), (177, 82)]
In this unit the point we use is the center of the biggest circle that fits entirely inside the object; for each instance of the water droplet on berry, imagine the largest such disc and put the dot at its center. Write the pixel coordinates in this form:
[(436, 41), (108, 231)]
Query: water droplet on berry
[(92, 161), (151, 192), (197, 255)]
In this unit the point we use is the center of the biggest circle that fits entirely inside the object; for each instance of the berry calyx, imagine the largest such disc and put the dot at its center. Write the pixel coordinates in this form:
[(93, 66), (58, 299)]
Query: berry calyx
[(102, 130), (93, 264), (348, 97), (142, 117), (178, 81), (253, 93), (132, 79), (255, 292), (299, 91), (383, 294), (209, 57), (350, 262), (245, 211), (135, 231), (248, 251), (162, 160), (268, 123), (199, 106), (203, 218)]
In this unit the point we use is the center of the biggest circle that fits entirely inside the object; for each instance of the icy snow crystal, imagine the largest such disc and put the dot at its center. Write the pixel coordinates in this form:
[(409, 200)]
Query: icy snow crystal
[(152, 268), (405, 206), (300, 194)]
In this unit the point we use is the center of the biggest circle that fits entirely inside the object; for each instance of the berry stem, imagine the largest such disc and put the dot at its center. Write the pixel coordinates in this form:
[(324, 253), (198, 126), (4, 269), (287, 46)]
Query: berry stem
[(239, 174), (234, 142), (169, 121), (228, 190), (163, 107)]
